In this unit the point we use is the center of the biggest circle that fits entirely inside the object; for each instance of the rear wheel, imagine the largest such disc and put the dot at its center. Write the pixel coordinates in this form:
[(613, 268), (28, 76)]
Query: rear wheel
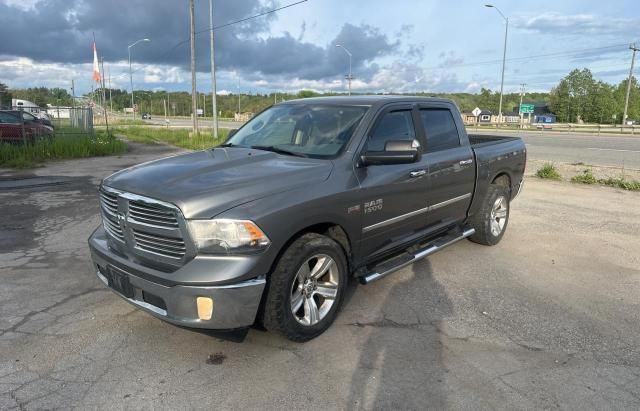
[(490, 222), (306, 288)]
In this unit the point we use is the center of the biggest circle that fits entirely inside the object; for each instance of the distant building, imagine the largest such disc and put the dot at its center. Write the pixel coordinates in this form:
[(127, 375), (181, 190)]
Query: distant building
[(511, 118), (485, 116), (242, 117), (544, 118), (468, 118)]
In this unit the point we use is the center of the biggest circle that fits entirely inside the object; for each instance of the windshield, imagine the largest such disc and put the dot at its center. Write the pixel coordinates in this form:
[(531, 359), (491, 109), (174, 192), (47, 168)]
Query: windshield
[(305, 129)]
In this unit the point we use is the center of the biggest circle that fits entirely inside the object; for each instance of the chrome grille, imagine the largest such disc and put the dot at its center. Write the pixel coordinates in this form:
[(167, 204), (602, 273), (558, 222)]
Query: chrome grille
[(167, 246), (144, 227), (109, 202), (112, 227), (152, 214)]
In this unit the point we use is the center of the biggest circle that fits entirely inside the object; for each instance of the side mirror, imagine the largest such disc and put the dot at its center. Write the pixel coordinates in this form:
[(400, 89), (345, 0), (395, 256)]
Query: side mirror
[(232, 132), (395, 152)]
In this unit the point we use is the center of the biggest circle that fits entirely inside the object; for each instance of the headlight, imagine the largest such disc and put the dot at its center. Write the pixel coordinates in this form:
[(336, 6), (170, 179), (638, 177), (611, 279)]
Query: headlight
[(222, 236)]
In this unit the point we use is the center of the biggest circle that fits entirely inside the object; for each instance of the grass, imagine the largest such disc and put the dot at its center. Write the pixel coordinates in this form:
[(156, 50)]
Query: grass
[(549, 172), (587, 177), (61, 147), (124, 122), (174, 137), (621, 182)]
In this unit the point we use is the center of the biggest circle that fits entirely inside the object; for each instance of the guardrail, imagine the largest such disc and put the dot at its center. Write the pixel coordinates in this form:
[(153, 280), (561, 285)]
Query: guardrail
[(560, 128)]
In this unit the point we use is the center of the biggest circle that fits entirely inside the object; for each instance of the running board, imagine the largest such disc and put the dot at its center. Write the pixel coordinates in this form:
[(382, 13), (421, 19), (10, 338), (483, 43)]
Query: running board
[(387, 267)]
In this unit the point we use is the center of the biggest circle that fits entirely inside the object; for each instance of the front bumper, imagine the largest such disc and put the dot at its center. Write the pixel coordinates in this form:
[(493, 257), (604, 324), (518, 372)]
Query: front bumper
[(234, 305)]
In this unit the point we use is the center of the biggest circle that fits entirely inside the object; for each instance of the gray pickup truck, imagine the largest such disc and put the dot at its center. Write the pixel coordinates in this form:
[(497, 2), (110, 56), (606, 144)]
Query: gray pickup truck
[(269, 227)]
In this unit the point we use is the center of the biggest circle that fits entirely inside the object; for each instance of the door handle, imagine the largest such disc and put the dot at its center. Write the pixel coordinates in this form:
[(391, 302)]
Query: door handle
[(418, 173), (465, 162)]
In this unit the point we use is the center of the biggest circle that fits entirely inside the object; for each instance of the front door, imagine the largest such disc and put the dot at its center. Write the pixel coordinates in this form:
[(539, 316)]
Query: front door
[(393, 196)]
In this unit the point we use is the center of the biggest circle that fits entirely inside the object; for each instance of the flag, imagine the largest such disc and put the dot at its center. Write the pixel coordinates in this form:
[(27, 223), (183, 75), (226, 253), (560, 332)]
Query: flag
[(96, 67)]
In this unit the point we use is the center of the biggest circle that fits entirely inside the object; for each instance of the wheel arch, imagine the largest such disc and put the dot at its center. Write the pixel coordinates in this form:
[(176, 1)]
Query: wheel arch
[(330, 229), (503, 178)]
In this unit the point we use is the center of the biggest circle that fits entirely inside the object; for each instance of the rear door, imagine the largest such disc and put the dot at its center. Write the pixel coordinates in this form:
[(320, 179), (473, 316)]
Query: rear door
[(450, 163), (392, 196)]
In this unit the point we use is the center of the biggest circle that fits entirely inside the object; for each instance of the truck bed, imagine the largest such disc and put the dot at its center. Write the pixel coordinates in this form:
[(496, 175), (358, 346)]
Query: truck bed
[(480, 140)]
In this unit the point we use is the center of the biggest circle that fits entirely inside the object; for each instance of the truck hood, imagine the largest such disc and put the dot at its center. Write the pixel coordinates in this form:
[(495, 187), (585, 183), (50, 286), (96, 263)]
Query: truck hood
[(206, 183)]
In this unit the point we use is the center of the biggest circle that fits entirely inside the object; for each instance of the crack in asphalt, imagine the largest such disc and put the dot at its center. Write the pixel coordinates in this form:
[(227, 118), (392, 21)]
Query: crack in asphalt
[(30, 314)]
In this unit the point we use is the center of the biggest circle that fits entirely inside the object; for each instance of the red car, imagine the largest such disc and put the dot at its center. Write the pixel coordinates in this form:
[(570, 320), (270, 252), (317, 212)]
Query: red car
[(12, 129)]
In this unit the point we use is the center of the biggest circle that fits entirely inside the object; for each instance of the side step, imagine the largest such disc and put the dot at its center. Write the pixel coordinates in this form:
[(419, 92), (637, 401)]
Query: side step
[(399, 261)]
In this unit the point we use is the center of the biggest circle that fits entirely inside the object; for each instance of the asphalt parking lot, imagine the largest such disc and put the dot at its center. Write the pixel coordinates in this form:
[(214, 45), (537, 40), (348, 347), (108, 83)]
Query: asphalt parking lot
[(546, 319)]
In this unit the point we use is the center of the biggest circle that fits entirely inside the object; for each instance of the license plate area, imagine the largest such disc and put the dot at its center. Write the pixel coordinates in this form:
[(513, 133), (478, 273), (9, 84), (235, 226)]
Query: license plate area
[(119, 281)]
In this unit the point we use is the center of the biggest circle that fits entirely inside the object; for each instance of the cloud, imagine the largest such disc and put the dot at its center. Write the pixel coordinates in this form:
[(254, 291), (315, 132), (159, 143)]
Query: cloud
[(580, 25), (65, 31)]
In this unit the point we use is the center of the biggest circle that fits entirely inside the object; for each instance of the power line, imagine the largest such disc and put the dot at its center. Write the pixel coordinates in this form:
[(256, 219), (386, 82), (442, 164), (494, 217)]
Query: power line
[(231, 23), (548, 55)]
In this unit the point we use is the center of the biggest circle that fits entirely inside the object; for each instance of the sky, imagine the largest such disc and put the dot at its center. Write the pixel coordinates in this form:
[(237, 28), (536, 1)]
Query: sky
[(397, 46)]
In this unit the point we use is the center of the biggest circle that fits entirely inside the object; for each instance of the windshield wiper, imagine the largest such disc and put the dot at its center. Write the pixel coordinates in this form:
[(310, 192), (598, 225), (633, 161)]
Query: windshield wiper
[(228, 145), (279, 150)]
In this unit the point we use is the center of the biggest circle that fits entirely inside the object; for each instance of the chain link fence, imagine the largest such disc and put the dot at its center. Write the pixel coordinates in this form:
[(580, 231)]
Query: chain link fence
[(36, 123)]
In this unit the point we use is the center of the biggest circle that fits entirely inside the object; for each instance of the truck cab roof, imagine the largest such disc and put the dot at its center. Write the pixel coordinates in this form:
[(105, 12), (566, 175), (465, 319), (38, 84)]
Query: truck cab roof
[(368, 100)]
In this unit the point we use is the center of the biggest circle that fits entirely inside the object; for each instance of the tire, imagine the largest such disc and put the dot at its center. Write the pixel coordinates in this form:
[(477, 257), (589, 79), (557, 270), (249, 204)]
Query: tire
[(286, 288), (488, 225)]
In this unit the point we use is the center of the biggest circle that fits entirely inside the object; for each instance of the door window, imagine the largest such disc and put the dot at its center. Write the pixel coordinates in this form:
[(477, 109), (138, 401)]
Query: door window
[(395, 125), (8, 118), (440, 129)]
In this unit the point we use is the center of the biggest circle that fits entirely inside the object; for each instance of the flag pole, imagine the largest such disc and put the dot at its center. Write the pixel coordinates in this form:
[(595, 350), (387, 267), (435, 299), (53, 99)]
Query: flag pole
[(104, 97)]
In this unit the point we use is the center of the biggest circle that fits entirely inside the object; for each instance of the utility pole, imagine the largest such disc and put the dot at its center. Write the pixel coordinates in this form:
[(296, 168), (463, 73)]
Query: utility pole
[(626, 100), (522, 88), (214, 106), (110, 99), (238, 96), (73, 94), (194, 96), (104, 96)]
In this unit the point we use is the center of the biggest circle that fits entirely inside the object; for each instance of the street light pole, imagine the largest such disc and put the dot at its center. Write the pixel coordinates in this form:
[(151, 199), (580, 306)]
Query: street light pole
[(131, 72), (504, 57), (349, 53)]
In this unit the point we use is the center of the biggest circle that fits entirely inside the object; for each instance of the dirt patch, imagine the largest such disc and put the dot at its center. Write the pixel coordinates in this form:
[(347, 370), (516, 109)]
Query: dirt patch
[(567, 170)]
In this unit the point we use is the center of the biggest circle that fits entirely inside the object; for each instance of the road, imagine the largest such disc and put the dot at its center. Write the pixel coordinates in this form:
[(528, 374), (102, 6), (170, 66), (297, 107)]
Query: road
[(186, 123), (604, 150), (546, 319), (609, 151)]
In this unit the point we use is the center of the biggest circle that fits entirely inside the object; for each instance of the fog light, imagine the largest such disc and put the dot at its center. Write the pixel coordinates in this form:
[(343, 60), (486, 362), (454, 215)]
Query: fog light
[(205, 307)]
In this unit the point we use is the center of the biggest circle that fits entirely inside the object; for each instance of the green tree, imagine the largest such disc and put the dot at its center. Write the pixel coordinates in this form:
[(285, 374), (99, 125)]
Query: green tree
[(603, 104), (620, 93), (5, 95), (572, 99)]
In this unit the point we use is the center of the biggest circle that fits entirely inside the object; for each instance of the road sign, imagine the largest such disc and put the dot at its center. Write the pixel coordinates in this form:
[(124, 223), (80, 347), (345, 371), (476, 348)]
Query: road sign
[(476, 111), (526, 108)]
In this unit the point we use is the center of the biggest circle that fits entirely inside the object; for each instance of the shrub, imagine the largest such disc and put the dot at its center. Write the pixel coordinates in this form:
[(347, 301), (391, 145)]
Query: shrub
[(586, 177), (631, 185), (548, 171)]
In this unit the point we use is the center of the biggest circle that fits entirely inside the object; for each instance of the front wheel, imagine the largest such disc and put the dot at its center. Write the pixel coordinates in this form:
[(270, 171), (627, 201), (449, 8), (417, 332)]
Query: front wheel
[(306, 288), (490, 221)]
